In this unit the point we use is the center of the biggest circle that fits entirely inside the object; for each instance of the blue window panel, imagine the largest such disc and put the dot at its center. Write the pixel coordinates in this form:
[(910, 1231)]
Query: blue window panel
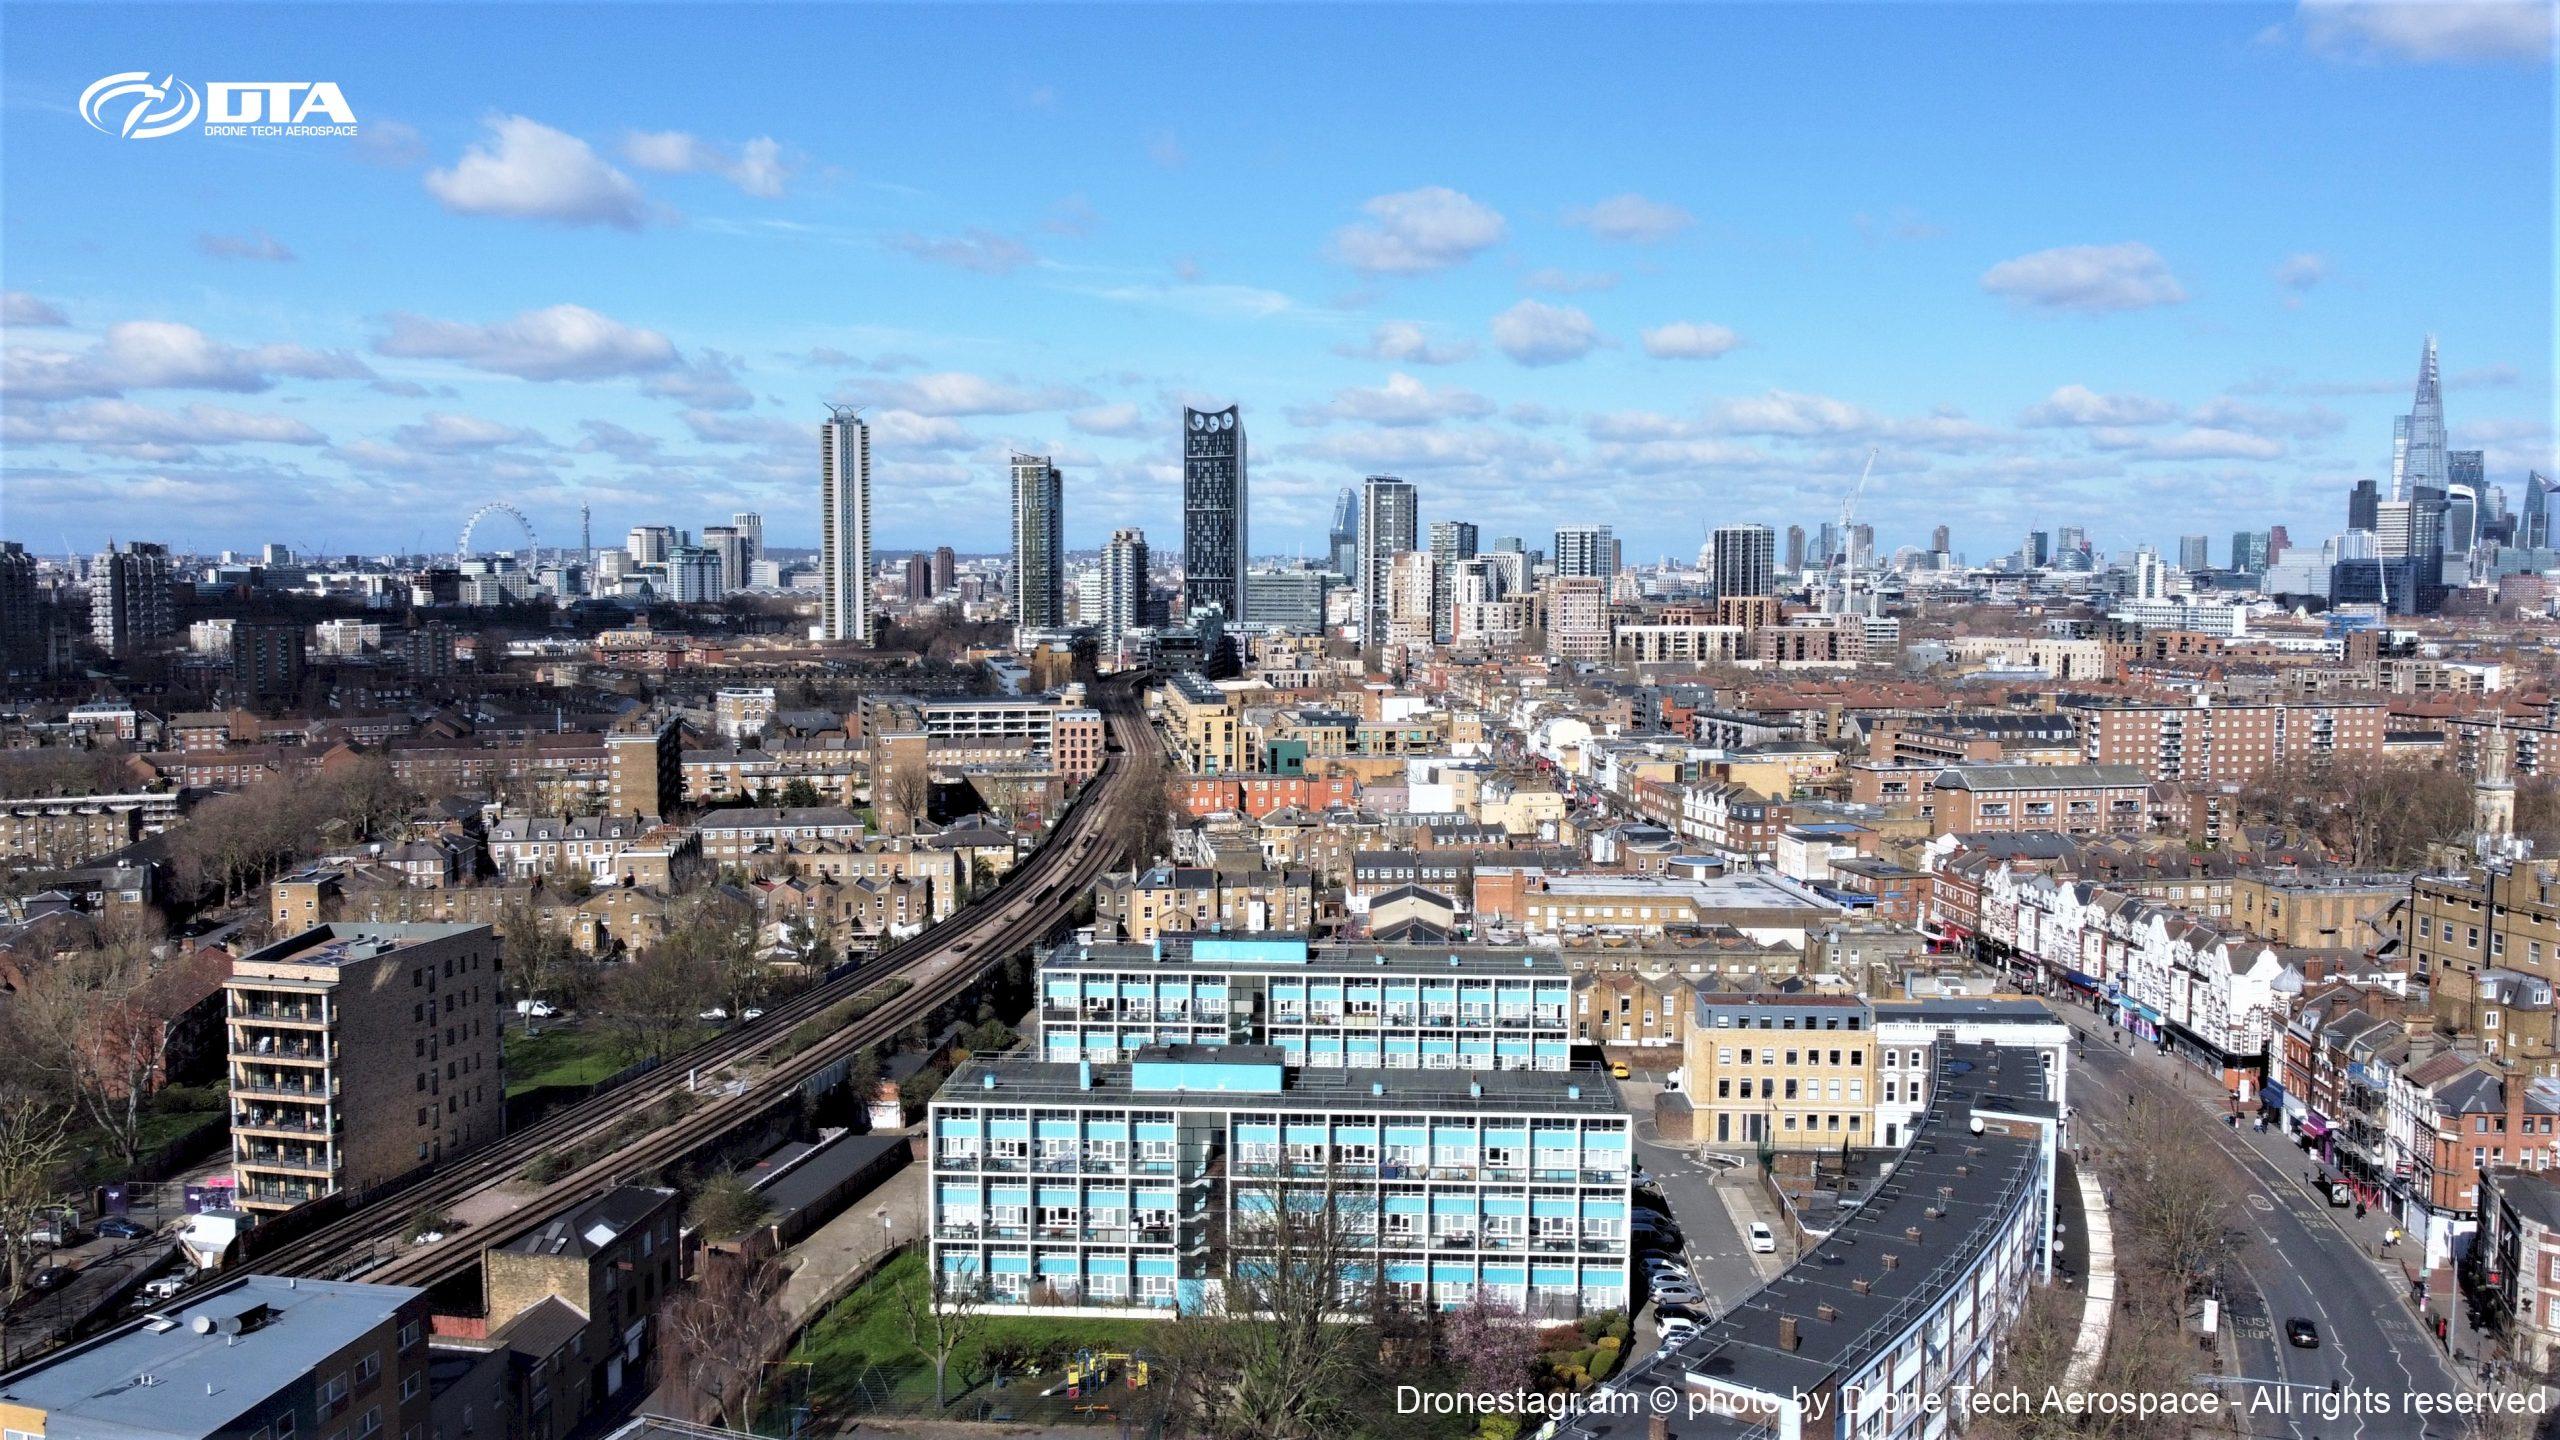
[(1009, 1195), (1552, 1277), (1058, 1195), (1327, 992), (1364, 1054), (957, 1125), (1444, 1272), (955, 1262), (959, 1194), (1154, 1200), (1515, 1139), (1306, 1134), (1606, 1139), (1402, 1274), (1108, 1129), (1506, 1204), (1432, 1045), (1009, 1129), (1518, 1048), (1057, 1129), (1506, 1275), (1453, 1204), (1155, 1130), (1605, 1209), (1412, 1204), (1010, 1264), (1156, 1265), (1357, 1134), (1106, 1265), (1407, 1135), (1452, 1137), (1257, 1134), (1550, 1205), (1058, 1264)]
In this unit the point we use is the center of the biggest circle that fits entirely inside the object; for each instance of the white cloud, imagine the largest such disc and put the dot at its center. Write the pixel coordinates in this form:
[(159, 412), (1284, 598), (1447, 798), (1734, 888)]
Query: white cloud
[(2196, 444), (1165, 149), (2302, 271), (165, 355), (954, 392), (256, 245), (708, 382), (1415, 232), (2225, 413), (1403, 400), (2089, 279), (526, 170), (448, 433), (1689, 340), (1119, 419), (907, 430), (1788, 412), (561, 342), (122, 426), (1553, 280), (759, 167), (1073, 216), (1536, 333), (981, 250), (1405, 342), (2428, 30), (2080, 405), (748, 429), (17, 307), (1631, 218), (623, 443)]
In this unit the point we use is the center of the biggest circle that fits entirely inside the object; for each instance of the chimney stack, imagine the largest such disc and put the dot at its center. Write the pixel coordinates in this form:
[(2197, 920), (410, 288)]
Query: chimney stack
[(1787, 1338), (1911, 1233), (1893, 1262), (1827, 1311)]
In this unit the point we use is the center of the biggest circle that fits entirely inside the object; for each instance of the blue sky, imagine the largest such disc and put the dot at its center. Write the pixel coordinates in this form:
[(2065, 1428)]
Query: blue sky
[(2151, 269)]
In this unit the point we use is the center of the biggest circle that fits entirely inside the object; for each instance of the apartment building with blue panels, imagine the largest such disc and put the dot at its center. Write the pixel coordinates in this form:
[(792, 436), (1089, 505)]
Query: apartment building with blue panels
[(1117, 1187), (1330, 1006)]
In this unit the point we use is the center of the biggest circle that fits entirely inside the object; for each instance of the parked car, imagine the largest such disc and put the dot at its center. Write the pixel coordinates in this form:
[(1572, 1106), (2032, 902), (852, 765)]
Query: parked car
[(1763, 1241), (163, 1287), (1618, 1070), (537, 1009), (1659, 1267), (2301, 1334), (54, 1232), (1669, 1293), (118, 1227), (715, 1014), (751, 1013), (49, 1278), (1677, 1328)]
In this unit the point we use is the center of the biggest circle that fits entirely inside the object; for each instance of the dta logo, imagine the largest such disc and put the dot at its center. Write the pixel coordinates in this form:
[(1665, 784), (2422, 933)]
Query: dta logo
[(150, 111)]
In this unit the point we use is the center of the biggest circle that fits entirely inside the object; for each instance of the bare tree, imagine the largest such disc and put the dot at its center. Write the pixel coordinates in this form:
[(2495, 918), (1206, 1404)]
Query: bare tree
[(35, 1151), (650, 1001), (716, 1334), (939, 1309), (97, 1023)]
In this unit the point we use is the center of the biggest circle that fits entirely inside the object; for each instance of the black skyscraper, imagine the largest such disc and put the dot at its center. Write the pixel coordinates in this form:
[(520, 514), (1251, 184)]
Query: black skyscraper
[(2364, 506), (1213, 513)]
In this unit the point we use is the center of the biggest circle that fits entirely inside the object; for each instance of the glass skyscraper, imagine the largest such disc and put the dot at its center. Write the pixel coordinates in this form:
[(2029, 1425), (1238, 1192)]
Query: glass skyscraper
[(1214, 545)]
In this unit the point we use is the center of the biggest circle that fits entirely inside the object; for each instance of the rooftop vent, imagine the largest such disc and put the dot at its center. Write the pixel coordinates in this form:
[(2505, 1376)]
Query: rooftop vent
[(1863, 1285)]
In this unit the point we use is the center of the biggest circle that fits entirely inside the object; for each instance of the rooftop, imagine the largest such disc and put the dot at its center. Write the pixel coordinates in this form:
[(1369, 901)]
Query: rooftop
[(199, 1368), (1253, 1076)]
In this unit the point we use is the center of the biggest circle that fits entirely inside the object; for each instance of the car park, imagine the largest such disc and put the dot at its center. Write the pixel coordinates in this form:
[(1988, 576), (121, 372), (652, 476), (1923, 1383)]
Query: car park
[(1675, 1294), (1658, 1267)]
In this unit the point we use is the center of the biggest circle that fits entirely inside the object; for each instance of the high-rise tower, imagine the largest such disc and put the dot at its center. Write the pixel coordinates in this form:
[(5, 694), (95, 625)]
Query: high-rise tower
[(1124, 588), (1452, 542), (1039, 547), (1745, 559), (844, 526), (1214, 545), (1389, 508), (2417, 440)]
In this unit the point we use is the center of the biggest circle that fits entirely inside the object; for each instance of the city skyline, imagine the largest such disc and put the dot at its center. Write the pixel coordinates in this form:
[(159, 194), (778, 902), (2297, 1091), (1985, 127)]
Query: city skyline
[(1714, 335)]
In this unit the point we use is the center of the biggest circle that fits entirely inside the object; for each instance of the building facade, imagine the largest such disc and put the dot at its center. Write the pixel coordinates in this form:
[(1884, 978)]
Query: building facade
[(844, 524), (1215, 540)]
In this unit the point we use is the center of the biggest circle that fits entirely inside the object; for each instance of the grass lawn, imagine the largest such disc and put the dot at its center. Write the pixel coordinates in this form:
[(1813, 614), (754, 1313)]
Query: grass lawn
[(862, 1344), (560, 1055)]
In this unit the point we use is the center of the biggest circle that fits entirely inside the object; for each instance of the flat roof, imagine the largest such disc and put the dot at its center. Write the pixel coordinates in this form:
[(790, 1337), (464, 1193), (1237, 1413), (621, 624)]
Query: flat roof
[(199, 1380), (1728, 891), (1291, 954), (1044, 1082)]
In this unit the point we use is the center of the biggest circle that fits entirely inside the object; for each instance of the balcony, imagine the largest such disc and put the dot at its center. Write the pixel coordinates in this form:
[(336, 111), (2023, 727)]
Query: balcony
[(281, 1122), (270, 1047), (268, 1157), (277, 1087), (270, 1013), (283, 1193)]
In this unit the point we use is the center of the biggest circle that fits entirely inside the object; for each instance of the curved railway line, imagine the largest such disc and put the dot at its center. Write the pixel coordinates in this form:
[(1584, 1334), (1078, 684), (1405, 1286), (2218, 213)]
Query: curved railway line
[(735, 1077)]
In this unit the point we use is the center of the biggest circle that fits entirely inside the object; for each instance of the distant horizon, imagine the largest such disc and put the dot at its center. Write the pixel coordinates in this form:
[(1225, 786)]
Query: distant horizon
[(1686, 272)]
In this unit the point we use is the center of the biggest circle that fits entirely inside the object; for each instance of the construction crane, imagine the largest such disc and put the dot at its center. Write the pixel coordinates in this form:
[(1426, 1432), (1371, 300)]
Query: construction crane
[(1849, 537)]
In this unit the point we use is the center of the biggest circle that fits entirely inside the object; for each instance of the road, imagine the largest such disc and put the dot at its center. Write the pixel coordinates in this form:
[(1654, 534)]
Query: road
[(2293, 1261)]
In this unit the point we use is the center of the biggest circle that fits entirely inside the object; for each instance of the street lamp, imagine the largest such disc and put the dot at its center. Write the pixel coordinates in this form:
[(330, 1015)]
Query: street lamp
[(888, 1228)]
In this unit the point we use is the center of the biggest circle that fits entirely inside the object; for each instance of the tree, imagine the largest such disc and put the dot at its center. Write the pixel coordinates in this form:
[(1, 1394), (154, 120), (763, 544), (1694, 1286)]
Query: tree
[(715, 1335), (35, 1153), (799, 794), (542, 963), (97, 1022), (1142, 826), (1489, 1344), (939, 1312), (650, 1002), (725, 1206)]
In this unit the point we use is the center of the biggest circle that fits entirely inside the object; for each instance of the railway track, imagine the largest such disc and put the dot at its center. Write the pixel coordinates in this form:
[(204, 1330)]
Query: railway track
[(737, 1076)]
